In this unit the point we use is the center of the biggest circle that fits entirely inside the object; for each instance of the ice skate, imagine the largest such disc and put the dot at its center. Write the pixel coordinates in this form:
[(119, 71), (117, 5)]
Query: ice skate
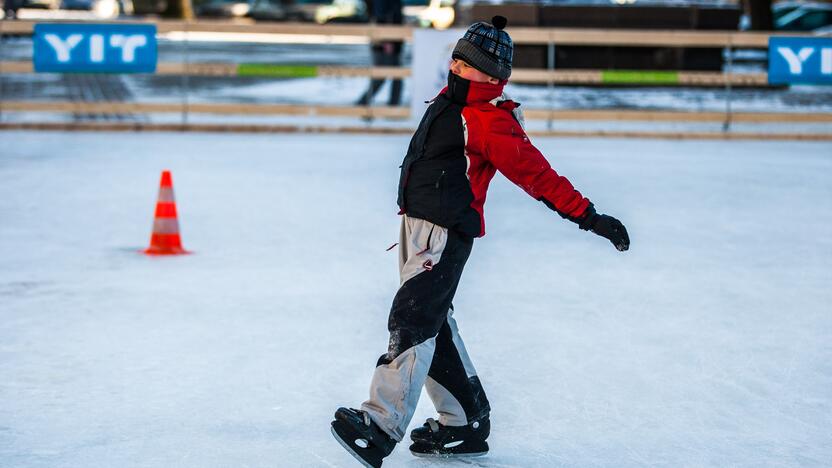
[(361, 437), (437, 440)]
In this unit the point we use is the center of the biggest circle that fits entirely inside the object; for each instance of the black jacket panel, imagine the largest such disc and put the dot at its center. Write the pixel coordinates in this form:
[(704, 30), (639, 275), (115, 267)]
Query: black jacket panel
[(434, 185)]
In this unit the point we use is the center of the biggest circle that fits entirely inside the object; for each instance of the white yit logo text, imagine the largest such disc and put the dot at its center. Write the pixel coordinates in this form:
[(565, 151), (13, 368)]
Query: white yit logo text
[(97, 44), (797, 60)]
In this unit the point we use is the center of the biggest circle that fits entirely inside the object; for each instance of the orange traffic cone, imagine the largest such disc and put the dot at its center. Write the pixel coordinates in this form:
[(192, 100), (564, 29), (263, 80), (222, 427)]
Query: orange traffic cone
[(165, 238)]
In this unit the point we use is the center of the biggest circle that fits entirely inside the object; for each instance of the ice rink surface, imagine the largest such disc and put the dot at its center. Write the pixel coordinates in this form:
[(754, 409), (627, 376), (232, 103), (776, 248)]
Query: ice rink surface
[(709, 343)]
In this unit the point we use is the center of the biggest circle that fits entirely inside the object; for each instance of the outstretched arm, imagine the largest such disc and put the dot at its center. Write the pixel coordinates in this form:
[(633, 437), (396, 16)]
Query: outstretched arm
[(512, 153)]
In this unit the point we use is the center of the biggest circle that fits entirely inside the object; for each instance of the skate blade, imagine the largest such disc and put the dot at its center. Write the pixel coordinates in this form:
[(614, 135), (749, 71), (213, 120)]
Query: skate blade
[(448, 455), (348, 448)]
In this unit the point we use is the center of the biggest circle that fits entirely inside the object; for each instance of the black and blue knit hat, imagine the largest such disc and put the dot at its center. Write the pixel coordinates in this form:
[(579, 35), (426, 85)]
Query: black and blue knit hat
[(486, 47)]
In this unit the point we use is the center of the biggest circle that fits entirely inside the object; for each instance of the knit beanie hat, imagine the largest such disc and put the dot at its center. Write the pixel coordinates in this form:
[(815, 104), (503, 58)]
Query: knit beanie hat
[(486, 47)]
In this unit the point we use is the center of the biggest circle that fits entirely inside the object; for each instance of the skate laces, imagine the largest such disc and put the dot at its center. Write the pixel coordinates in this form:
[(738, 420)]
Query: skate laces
[(434, 426)]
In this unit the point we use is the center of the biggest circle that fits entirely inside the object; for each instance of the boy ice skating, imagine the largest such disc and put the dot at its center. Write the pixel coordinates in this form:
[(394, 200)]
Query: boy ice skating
[(470, 131)]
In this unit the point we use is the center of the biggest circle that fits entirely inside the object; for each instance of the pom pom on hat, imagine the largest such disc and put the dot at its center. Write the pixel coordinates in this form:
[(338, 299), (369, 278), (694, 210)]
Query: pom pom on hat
[(499, 22)]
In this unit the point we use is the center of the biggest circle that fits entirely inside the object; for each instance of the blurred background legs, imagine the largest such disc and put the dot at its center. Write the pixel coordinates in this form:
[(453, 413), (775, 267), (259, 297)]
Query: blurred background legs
[(387, 54)]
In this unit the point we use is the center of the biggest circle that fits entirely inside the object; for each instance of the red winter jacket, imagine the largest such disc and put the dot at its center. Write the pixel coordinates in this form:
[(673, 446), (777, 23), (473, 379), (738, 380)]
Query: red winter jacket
[(469, 132)]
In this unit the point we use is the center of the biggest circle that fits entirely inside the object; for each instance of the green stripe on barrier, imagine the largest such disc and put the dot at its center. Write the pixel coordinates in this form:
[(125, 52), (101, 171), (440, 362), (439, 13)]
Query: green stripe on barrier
[(281, 71), (639, 77)]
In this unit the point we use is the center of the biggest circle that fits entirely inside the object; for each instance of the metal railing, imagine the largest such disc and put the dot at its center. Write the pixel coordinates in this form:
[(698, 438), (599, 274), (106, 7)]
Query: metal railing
[(551, 37)]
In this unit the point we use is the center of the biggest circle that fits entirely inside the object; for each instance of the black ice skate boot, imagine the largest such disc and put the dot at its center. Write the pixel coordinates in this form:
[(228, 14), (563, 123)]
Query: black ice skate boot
[(436, 440), (362, 438)]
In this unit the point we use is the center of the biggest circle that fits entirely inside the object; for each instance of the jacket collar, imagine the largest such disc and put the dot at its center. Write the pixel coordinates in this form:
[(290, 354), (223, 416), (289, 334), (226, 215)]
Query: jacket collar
[(464, 91)]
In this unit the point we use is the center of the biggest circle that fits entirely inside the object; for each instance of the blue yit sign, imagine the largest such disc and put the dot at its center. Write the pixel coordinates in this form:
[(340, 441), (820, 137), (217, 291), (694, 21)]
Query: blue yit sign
[(95, 48), (800, 60)]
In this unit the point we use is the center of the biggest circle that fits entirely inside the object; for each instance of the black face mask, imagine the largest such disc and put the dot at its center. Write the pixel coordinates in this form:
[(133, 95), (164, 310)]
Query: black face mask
[(457, 88)]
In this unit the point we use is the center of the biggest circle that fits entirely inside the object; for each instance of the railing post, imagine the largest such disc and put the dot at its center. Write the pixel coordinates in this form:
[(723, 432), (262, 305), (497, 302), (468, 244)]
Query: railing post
[(2, 59), (368, 116), (184, 79), (726, 125), (550, 81)]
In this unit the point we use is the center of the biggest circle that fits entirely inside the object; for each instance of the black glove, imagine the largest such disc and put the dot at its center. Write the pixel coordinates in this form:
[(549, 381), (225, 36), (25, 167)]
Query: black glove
[(607, 227)]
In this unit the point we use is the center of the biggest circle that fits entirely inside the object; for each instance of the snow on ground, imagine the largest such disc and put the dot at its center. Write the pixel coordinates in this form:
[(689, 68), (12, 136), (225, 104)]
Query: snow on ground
[(707, 344)]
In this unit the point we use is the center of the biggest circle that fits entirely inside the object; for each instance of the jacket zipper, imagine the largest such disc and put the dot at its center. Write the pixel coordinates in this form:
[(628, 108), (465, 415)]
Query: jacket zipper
[(440, 179)]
